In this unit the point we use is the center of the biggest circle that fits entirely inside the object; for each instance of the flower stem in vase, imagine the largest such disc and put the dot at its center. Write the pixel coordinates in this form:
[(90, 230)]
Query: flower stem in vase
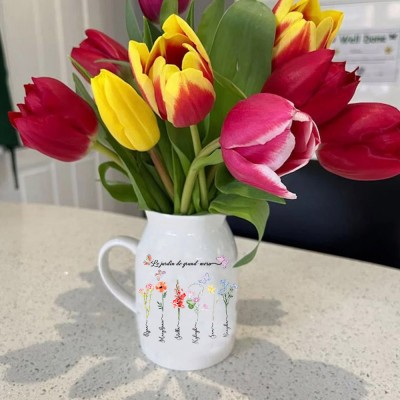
[(178, 328), (213, 335)]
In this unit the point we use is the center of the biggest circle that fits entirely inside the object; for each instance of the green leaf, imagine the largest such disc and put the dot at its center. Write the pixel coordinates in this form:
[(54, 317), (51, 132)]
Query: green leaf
[(242, 48), (209, 22), (190, 15), (229, 85), (213, 159), (82, 92), (164, 146), (252, 210), (178, 176), (82, 70), (182, 143), (241, 56), (132, 25), (168, 7), (227, 184), (118, 190), (164, 295), (147, 37)]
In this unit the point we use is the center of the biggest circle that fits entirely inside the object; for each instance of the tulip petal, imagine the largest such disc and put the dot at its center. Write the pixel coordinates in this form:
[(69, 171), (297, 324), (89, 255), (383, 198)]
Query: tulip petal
[(273, 153), (46, 134), (339, 97), (287, 22), (307, 139), (359, 121), (188, 97), (309, 8), (248, 123), (139, 54), (357, 162), (256, 175), (175, 24), (109, 47), (337, 17), (298, 39), (192, 59), (127, 116), (299, 78), (324, 31), (281, 9)]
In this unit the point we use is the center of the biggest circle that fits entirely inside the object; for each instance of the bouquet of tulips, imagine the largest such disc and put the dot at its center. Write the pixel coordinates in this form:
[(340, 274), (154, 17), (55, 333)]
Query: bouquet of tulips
[(208, 118)]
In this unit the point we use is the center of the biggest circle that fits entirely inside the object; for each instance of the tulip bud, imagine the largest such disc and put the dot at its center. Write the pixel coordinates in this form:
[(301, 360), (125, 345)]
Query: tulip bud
[(175, 77), (151, 8), (127, 116), (316, 85), (265, 137), (55, 120), (362, 143), (301, 28), (99, 46)]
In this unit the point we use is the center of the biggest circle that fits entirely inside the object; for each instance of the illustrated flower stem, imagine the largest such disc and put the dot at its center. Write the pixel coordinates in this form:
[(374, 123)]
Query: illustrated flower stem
[(162, 172), (107, 152), (202, 175), (192, 175)]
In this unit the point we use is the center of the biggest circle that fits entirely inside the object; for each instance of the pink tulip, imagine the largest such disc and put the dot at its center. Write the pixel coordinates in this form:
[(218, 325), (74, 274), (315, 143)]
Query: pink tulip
[(316, 85), (151, 8), (55, 120), (265, 137), (362, 143), (99, 46)]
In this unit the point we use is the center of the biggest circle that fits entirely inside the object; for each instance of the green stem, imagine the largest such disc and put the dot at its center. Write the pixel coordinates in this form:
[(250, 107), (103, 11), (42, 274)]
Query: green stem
[(162, 172), (202, 175), (211, 175), (192, 175), (107, 152)]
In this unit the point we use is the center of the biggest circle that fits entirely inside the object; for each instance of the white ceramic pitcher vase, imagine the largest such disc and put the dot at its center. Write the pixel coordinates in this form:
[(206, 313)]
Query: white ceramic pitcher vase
[(186, 289)]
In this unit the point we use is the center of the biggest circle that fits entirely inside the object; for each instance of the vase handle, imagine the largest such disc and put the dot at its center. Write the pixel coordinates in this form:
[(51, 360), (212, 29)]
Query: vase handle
[(104, 267)]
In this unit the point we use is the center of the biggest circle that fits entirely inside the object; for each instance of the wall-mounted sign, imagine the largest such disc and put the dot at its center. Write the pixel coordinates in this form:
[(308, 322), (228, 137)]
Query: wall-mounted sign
[(376, 53)]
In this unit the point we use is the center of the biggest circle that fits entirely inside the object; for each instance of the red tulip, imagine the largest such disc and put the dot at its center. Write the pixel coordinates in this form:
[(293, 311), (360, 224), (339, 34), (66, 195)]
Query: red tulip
[(99, 46), (265, 137), (362, 143), (151, 8), (55, 120), (316, 85)]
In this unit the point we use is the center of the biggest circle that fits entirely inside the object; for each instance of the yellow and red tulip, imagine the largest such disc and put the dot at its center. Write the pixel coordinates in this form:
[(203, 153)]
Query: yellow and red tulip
[(175, 76), (301, 28), (127, 116)]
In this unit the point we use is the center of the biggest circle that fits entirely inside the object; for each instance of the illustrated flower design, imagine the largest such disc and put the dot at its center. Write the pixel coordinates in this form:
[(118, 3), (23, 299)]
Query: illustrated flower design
[(127, 116), (151, 8), (159, 274), (314, 84), (161, 287), (99, 46), (211, 289), (301, 28), (366, 150), (206, 278), (178, 302), (223, 261), (148, 260), (226, 292), (55, 121), (175, 76), (265, 137), (147, 294)]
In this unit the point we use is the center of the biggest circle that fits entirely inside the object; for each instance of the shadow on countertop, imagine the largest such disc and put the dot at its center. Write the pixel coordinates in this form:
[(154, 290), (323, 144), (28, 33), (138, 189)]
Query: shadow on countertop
[(102, 328)]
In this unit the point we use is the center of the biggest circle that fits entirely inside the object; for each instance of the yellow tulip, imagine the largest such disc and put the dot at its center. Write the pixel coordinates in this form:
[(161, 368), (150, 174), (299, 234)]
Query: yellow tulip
[(126, 115), (301, 28)]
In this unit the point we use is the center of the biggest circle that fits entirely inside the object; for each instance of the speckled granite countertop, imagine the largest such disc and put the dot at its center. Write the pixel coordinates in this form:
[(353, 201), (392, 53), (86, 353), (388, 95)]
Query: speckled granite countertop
[(311, 326)]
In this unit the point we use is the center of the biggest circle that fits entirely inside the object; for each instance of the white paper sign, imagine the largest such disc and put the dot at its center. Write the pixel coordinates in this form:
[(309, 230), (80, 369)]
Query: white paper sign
[(376, 53)]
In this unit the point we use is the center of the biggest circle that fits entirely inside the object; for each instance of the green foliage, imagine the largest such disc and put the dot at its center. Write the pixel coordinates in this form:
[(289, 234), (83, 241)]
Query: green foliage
[(190, 15), (121, 191), (241, 53), (132, 25), (209, 22), (168, 7), (252, 210)]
